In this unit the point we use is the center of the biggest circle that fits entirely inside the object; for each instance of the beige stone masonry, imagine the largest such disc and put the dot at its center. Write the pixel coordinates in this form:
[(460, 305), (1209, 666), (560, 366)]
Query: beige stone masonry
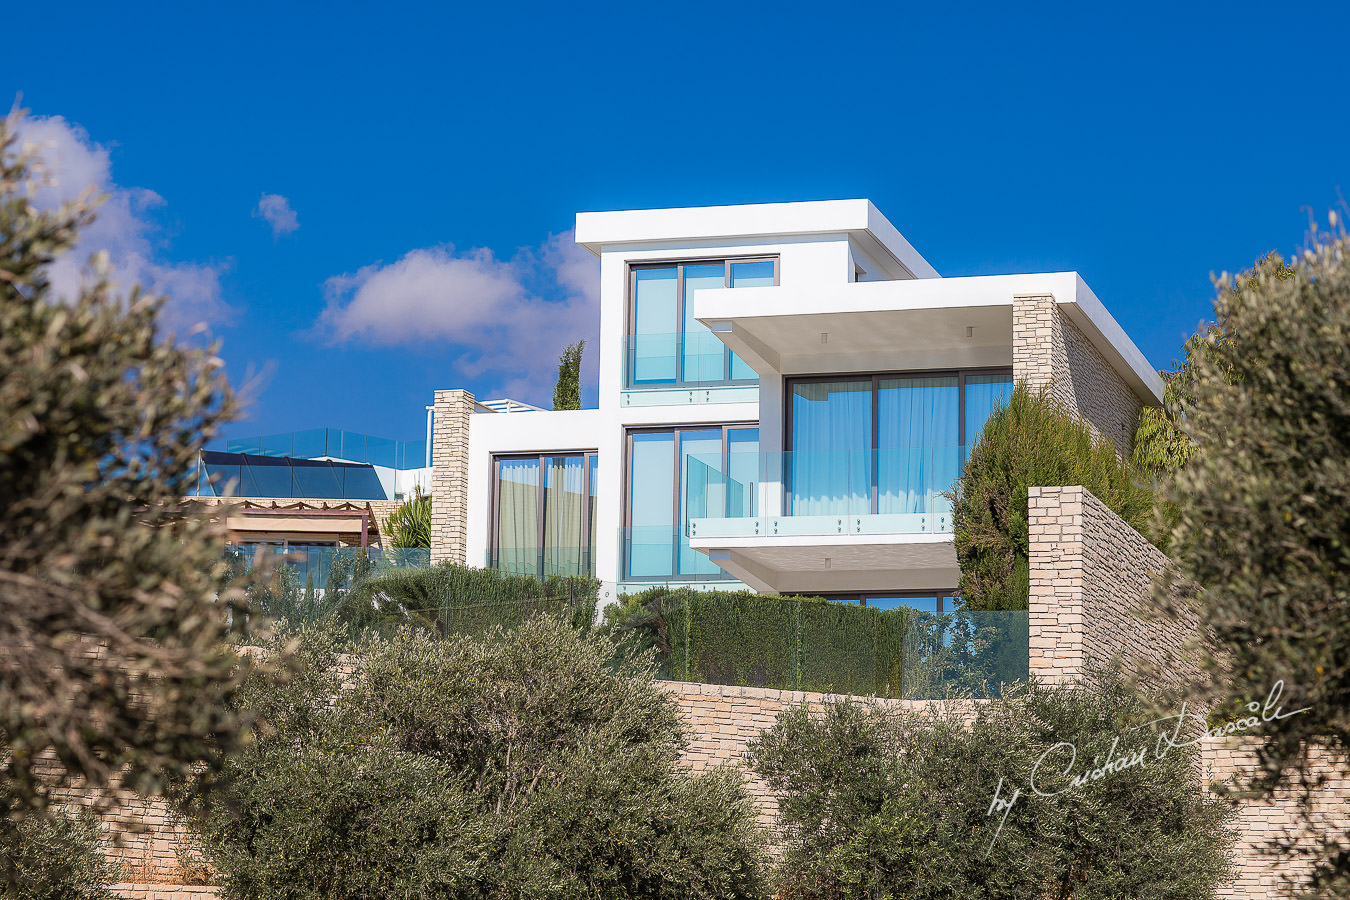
[(1090, 573), (1051, 351), (450, 476)]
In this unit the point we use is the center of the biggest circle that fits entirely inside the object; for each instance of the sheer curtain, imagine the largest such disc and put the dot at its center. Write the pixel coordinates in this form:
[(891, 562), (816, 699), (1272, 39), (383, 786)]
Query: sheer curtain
[(564, 508), (830, 465), (518, 516), (917, 437), (984, 394)]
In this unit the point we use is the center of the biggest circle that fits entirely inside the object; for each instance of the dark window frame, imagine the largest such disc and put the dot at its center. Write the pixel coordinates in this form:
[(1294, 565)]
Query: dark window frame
[(630, 318), (946, 597), (876, 378), (625, 519), (587, 538)]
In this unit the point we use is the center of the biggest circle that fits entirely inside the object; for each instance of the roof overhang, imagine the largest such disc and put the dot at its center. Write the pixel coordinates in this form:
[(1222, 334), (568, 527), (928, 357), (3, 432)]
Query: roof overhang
[(939, 322), (858, 219), (833, 563)]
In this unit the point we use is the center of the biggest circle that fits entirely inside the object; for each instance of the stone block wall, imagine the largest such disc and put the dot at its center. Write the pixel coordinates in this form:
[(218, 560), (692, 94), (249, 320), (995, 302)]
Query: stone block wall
[(1051, 351), (722, 720), (450, 476), (1090, 573), (1258, 875)]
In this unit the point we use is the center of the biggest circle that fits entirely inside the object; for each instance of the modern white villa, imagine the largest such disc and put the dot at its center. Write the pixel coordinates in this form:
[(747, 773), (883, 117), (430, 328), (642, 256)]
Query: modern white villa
[(786, 392)]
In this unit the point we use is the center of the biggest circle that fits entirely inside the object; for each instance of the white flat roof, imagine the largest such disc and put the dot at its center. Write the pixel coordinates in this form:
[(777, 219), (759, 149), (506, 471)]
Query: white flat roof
[(879, 298), (755, 220)]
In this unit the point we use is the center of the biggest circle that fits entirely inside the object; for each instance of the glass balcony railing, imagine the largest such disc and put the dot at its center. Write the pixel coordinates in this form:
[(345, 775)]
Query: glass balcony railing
[(900, 490), (690, 359), (337, 444), (661, 553), (314, 567), (542, 563)]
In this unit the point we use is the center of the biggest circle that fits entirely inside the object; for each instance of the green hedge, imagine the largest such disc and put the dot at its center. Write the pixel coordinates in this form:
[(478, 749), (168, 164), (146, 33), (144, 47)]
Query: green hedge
[(444, 599), (812, 644), (763, 640)]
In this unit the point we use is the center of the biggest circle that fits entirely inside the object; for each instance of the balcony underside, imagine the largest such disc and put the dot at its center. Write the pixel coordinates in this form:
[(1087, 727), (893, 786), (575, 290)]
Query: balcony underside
[(791, 563)]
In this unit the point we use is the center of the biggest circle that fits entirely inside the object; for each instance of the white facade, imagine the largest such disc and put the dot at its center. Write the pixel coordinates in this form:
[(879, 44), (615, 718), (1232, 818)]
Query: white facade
[(851, 296)]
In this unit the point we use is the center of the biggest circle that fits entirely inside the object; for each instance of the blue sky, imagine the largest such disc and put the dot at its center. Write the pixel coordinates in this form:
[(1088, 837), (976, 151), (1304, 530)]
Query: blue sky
[(437, 154)]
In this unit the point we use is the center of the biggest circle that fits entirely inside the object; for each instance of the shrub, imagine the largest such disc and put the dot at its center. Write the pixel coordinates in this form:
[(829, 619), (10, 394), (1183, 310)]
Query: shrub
[(1029, 442), (881, 804), (1263, 521), (811, 644), (524, 764), (112, 620), (410, 524), (450, 599), (52, 854)]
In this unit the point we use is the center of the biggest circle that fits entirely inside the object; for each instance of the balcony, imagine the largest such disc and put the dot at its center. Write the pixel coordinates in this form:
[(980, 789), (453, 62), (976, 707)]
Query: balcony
[(826, 521)]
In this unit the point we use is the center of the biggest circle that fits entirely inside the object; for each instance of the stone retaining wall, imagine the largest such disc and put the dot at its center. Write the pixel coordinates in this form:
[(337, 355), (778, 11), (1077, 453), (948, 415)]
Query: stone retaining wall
[(1090, 573)]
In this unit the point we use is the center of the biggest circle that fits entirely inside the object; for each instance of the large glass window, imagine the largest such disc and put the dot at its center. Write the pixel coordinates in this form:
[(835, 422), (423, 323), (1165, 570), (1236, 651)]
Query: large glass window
[(883, 444), (544, 514), (674, 475), (666, 345)]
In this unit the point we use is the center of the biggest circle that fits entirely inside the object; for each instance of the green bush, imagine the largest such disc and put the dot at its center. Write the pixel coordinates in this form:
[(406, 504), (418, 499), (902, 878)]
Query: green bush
[(1029, 442), (409, 526), (881, 804), (811, 644), (1263, 521), (449, 599), (54, 855), (524, 764), (360, 597)]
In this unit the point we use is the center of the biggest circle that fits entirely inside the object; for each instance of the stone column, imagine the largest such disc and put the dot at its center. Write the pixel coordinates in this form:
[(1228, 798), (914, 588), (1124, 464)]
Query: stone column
[(450, 476)]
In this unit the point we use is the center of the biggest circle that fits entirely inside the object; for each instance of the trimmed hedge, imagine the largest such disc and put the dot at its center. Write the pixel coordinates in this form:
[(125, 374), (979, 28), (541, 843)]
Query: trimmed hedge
[(813, 644)]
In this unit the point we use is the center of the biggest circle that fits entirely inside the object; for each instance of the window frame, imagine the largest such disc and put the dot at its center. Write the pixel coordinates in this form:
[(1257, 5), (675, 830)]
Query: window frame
[(630, 317), (946, 597), (587, 539), (790, 381), (625, 517)]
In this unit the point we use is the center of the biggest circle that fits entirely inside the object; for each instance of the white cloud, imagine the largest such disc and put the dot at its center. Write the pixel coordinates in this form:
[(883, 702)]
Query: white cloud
[(507, 319), (276, 209), (72, 164)]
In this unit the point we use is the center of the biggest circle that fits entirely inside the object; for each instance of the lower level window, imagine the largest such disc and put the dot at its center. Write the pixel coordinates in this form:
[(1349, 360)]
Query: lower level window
[(543, 508), (675, 474), (937, 602)]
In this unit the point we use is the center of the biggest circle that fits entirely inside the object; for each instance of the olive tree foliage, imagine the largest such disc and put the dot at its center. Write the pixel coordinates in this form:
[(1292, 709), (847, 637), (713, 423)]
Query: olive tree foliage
[(112, 624), (1030, 441), (56, 854), (1161, 445), (1263, 514), (877, 804), (525, 763)]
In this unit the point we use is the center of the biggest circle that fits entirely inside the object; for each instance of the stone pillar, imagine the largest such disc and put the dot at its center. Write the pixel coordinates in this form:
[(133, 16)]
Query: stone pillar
[(1040, 354), (450, 476), (1055, 602), (1050, 351)]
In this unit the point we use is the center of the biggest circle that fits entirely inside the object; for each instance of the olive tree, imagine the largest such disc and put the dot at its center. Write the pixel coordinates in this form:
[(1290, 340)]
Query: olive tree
[(1263, 516), (113, 625), (523, 763)]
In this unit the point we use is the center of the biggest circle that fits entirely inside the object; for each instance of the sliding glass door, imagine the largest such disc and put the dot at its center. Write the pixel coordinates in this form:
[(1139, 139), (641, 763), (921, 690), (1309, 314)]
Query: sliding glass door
[(675, 474), (884, 444), (544, 514)]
